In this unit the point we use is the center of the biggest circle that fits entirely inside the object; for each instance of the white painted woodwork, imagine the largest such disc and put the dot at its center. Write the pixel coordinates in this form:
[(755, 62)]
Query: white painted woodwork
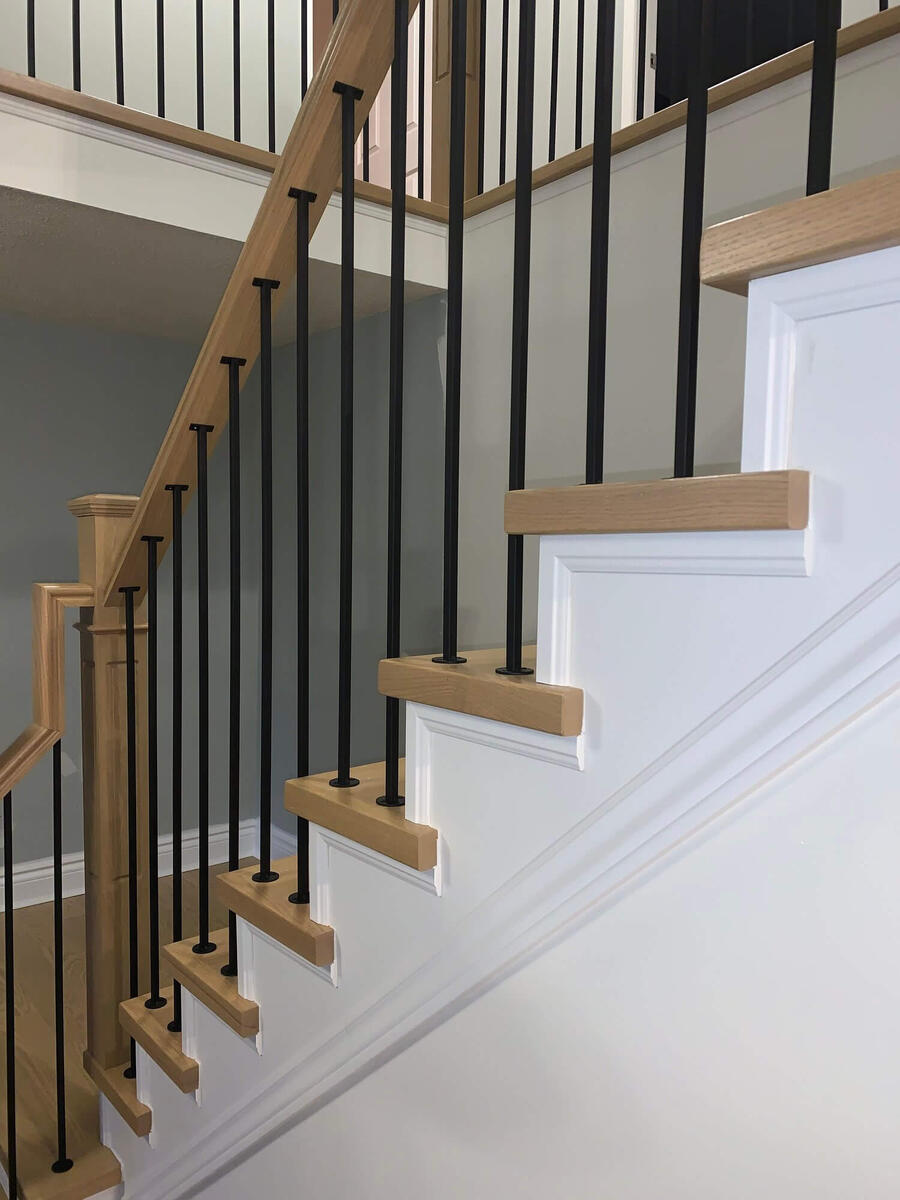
[(655, 959)]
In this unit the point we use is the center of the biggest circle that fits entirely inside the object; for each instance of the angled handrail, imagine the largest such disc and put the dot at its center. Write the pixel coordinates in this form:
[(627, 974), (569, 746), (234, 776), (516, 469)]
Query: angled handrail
[(48, 602), (359, 52)]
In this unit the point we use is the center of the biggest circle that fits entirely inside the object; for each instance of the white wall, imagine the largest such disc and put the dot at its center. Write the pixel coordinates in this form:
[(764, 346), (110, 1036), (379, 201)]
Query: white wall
[(721, 1032), (756, 157)]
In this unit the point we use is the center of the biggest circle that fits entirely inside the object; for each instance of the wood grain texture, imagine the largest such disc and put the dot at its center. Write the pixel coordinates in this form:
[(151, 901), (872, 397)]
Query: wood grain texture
[(121, 1093), (359, 52), (763, 500), (266, 905), (148, 1027), (202, 975), (354, 813), (474, 687), (853, 219), (48, 604), (95, 1167), (787, 66)]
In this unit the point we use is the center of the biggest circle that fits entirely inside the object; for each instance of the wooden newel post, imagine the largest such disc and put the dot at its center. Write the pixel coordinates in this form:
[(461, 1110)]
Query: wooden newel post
[(102, 522)]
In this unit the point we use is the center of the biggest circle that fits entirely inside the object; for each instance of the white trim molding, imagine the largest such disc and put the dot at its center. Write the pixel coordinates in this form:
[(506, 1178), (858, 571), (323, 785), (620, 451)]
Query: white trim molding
[(562, 557), (33, 881)]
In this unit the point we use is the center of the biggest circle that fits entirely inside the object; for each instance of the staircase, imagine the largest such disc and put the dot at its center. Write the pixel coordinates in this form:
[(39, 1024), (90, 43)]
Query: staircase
[(698, 639)]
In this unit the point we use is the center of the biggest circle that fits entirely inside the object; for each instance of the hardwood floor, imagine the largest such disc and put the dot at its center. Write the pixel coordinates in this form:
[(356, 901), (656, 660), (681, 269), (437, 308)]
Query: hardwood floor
[(35, 1045)]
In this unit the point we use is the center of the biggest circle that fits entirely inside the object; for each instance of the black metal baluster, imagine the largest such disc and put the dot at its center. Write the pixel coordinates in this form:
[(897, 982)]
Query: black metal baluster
[(599, 278), (131, 736), (177, 554), (420, 104), (203, 944), (399, 75), (304, 48), (454, 330), (554, 81), (750, 35), (640, 102), (349, 96), (366, 151), (154, 1000), (791, 22), (76, 45), (334, 10), (504, 86), (29, 36), (579, 74), (236, 65), (265, 874), (120, 54), (482, 83), (821, 108), (63, 1162), (691, 235), (270, 72), (201, 107), (234, 638), (521, 304), (160, 59), (883, 5), (304, 199), (10, 981)]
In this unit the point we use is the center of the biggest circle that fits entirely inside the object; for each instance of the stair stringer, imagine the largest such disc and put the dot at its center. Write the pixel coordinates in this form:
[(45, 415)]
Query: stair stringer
[(709, 667)]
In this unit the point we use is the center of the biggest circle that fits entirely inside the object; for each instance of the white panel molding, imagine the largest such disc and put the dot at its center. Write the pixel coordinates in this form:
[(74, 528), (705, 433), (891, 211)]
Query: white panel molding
[(842, 670), (57, 118), (777, 309), (33, 881), (758, 552)]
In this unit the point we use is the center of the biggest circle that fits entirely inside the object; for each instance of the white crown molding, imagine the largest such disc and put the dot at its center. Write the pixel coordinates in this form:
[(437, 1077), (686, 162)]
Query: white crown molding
[(57, 118), (838, 673), (562, 557), (33, 881)]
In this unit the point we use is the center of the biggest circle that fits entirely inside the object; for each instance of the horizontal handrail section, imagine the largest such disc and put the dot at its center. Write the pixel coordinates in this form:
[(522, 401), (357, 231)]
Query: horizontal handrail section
[(49, 601)]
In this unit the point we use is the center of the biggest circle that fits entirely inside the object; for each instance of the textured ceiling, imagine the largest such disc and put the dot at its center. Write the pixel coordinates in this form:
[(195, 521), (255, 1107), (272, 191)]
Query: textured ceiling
[(74, 263)]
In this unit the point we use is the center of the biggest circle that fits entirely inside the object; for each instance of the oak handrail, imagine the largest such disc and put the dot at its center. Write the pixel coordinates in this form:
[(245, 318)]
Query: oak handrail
[(48, 602), (359, 52)]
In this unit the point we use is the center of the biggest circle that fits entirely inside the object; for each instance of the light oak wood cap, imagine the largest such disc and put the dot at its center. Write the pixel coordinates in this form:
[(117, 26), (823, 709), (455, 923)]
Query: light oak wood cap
[(202, 975), (122, 1095), (267, 906), (354, 813), (854, 219), (102, 504), (762, 500), (474, 687), (149, 1028)]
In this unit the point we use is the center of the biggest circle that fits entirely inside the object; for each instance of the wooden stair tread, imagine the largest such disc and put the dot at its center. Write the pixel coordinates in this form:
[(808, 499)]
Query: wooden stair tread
[(474, 687), (266, 905), (93, 1170), (122, 1095), (148, 1027), (757, 500), (354, 813), (854, 219), (202, 975)]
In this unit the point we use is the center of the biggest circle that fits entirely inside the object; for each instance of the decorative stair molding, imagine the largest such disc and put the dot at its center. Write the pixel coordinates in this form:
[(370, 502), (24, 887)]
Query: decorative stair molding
[(833, 677), (785, 553)]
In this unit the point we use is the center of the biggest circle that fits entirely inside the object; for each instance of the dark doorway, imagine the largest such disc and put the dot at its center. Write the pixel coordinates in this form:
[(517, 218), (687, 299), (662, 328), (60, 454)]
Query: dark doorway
[(747, 33)]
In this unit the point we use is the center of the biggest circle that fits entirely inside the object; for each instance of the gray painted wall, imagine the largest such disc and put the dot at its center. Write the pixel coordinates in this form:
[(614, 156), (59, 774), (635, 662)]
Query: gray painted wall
[(96, 409)]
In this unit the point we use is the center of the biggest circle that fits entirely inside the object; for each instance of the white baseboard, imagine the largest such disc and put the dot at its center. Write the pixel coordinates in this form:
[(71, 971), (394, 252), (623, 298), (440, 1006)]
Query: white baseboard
[(33, 881)]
